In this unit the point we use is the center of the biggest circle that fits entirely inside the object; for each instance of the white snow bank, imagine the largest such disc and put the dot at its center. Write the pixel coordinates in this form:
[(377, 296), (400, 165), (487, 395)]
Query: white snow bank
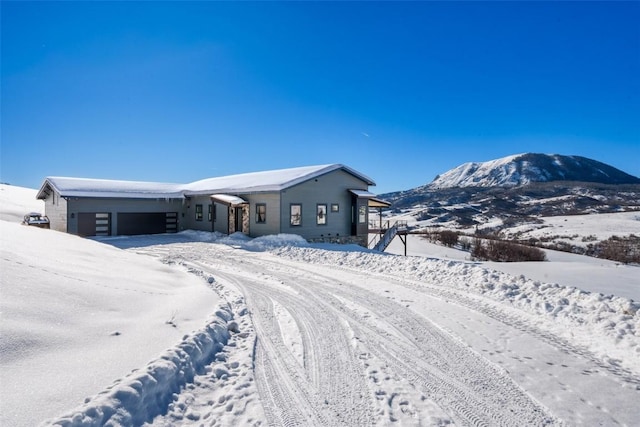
[(236, 240), (266, 243), (144, 394), (16, 202), (77, 314), (263, 243), (608, 325), (567, 269)]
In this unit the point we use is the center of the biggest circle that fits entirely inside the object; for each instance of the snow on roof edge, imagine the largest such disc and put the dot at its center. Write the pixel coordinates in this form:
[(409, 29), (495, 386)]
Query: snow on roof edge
[(87, 187)]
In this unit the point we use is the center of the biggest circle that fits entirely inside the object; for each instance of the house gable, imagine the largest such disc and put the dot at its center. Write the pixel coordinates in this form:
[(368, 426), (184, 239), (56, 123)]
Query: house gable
[(323, 191)]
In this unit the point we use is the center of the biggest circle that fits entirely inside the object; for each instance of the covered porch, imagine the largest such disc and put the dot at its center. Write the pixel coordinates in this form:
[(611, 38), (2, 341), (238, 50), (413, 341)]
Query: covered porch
[(237, 213)]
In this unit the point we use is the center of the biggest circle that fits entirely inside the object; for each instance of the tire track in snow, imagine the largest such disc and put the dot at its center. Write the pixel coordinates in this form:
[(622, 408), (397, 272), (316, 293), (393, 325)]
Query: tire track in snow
[(526, 323), (331, 387), (470, 388), (473, 390), (499, 312)]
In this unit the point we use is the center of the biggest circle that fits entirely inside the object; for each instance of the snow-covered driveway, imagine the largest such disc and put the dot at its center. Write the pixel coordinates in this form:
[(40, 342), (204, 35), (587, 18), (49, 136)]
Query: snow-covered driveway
[(348, 338)]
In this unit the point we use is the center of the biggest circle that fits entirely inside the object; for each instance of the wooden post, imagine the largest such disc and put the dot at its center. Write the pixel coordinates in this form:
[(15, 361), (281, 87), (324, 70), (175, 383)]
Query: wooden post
[(404, 241)]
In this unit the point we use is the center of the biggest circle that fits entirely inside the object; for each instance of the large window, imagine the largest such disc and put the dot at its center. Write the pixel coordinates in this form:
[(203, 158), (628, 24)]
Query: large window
[(296, 214), (321, 214), (198, 212), (362, 214), (261, 213)]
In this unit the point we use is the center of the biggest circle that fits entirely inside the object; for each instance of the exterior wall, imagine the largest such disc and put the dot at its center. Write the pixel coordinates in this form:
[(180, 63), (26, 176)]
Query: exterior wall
[(331, 188), (189, 218), (55, 207), (113, 206), (272, 224), (221, 218)]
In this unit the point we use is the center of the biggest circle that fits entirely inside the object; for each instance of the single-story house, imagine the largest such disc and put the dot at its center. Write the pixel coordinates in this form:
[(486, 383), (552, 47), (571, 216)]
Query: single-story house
[(326, 202)]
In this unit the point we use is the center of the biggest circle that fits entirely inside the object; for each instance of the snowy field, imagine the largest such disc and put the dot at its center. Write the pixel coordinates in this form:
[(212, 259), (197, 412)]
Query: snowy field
[(200, 329), (576, 230), (582, 272), (573, 228)]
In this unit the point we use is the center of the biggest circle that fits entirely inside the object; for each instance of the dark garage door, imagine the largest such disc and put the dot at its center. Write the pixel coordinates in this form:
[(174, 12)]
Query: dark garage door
[(147, 223), (94, 224)]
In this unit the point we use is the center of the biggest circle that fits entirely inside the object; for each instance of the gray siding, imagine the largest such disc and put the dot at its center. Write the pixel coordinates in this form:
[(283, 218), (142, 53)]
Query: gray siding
[(189, 219), (328, 189), (55, 207), (272, 203), (221, 222), (113, 206)]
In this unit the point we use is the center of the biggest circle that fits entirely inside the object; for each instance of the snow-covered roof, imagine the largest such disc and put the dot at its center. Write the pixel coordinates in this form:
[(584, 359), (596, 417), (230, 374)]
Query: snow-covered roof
[(266, 181), (373, 202), (229, 199), (362, 193), (84, 187)]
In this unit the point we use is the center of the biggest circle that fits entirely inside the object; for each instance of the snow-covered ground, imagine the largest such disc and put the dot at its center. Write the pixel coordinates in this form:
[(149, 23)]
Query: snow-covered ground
[(580, 230), (77, 314), (577, 230), (582, 272), (201, 329)]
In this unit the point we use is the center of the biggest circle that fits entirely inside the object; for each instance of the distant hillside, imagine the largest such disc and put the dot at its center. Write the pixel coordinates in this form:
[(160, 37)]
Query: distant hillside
[(519, 188), (523, 169)]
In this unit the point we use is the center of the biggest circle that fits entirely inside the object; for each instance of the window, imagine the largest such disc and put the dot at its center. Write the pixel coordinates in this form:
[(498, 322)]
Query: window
[(362, 214), (210, 216), (335, 207), (296, 214), (198, 212), (321, 214), (261, 213)]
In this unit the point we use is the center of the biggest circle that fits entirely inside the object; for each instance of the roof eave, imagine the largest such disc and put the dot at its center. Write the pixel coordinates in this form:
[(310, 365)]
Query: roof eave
[(41, 195), (120, 195)]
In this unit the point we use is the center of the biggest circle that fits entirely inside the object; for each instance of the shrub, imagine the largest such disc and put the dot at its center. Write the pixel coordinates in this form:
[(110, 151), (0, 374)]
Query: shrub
[(449, 238), (625, 249), (479, 251), (465, 244), (503, 251)]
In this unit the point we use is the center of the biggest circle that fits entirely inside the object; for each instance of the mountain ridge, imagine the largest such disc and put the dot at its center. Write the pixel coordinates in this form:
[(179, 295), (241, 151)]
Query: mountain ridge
[(523, 169), (521, 188)]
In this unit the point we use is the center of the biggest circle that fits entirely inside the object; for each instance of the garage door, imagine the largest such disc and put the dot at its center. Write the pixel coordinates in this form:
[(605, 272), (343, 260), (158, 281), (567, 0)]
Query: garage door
[(147, 223), (94, 224)]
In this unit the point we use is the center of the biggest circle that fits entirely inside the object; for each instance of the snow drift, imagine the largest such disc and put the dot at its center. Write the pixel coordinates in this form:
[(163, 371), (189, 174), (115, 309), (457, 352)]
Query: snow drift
[(141, 396)]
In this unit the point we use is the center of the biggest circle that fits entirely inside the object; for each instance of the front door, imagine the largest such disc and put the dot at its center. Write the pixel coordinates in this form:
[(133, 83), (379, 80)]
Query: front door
[(239, 210)]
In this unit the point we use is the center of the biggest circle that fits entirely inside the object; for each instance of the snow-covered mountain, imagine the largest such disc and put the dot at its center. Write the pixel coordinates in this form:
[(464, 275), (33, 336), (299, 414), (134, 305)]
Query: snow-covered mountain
[(518, 188), (522, 169)]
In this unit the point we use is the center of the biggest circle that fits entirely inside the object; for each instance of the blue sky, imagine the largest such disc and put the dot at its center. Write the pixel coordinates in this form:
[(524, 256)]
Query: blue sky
[(400, 91)]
